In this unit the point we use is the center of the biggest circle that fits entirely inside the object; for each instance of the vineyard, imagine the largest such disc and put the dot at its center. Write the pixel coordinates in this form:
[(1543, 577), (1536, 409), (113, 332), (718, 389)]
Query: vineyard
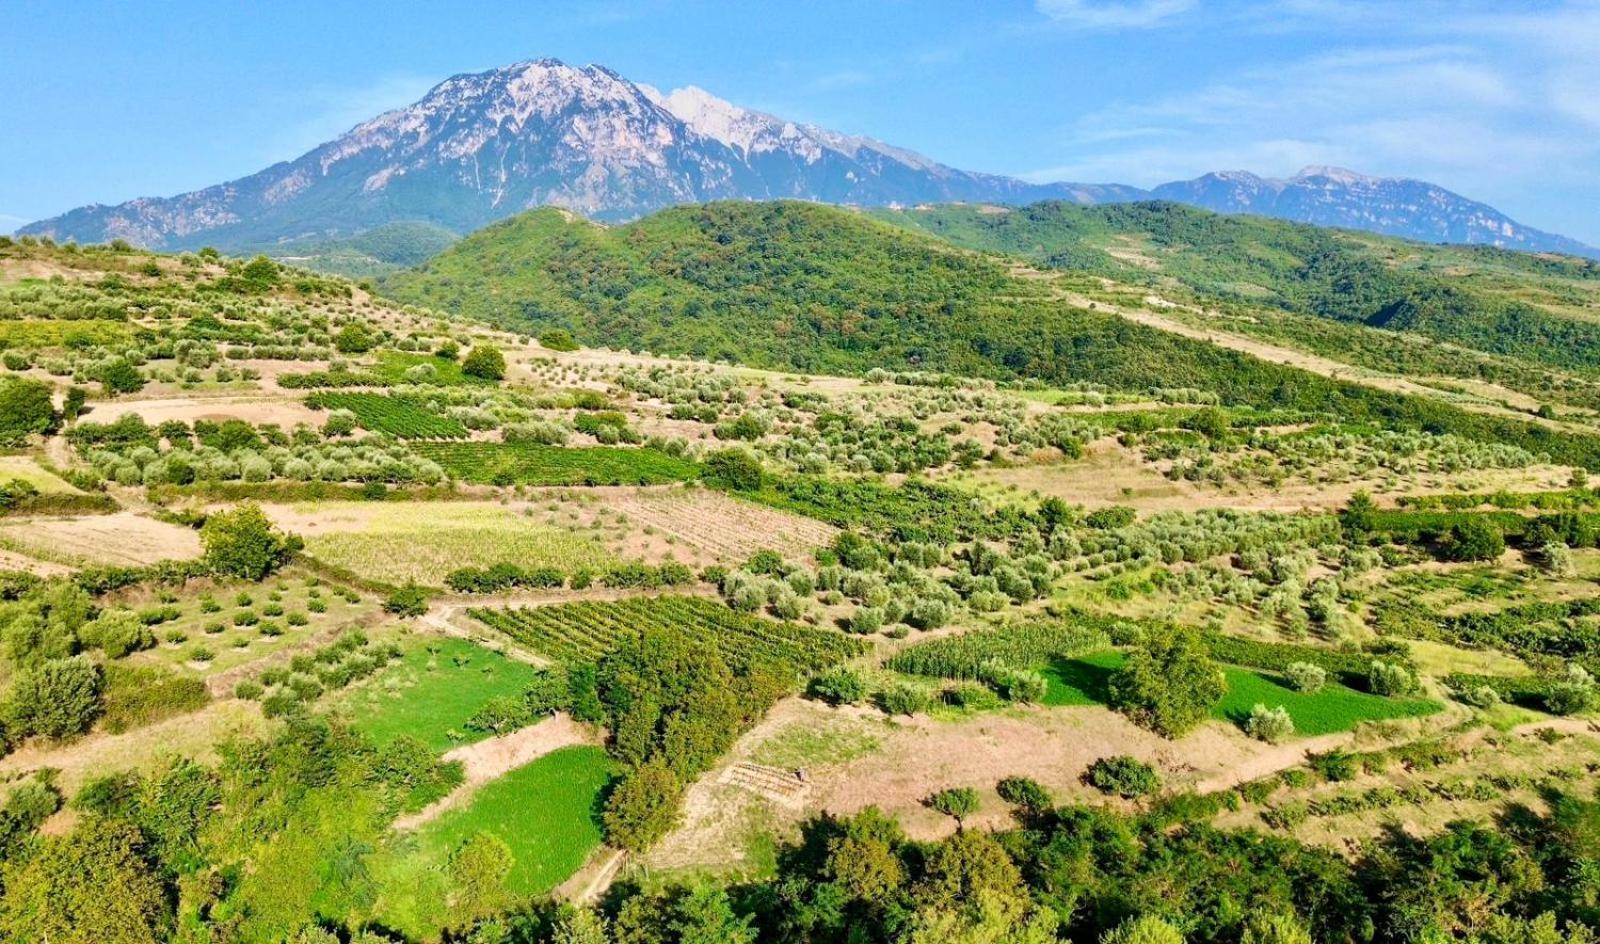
[(583, 632), (392, 415), (487, 463), (1023, 645)]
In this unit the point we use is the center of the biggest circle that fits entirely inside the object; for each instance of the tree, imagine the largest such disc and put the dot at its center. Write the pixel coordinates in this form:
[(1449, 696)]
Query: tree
[(558, 339), (25, 410), (1305, 677), (737, 470), (1029, 796), (353, 338), (478, 870), (955, 802), (1144, 930), (119, 376), (1390, 678), (1167, 683), (840, 686), (1475, 539), (580, 926), (93, 886), (244, 543), (260, 274), (485, 362), (55, 699), (863, 859), (1275, 927), (643, 807), (1573, 694), (72, 407), (1123, 776)]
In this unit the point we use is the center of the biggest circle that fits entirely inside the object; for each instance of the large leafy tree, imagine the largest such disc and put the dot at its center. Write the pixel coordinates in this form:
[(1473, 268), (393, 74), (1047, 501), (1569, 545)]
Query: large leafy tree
[(1168, 683), (25, 410)]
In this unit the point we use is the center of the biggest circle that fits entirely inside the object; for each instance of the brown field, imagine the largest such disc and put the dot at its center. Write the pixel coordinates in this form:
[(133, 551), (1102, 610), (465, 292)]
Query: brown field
[(715, 527), (121, 538), (284, 411)]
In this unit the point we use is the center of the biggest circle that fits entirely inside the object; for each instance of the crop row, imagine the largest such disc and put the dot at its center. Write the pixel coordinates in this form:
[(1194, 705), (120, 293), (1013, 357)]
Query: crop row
[(392, 415), (586, 631)]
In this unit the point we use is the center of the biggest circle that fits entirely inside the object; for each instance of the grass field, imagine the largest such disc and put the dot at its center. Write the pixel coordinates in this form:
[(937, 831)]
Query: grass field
[(397, 542), (528, 464), (431, 691), (1082, 681), (26, 469), (545, 812)]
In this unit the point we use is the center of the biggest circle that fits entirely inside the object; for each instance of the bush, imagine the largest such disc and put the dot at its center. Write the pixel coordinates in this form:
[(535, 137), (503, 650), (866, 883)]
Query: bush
[(409, 600), (1123, 776), (1025, 792), (59, 698), (244, 543), (353, 338), (484, 362), (558, 339), (1014, 684), (1305, 677), (1474, 539), (1272, 725), (903, 699), (248, 689), (840, 686), (1573, 695), (1144, 930), (1390, 678), (736, 470)]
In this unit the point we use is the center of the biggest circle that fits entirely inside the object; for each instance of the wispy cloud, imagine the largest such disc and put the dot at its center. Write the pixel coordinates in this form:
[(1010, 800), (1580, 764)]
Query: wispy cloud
[(9, 222), (840, 79), (331, 111), (1114, 14)]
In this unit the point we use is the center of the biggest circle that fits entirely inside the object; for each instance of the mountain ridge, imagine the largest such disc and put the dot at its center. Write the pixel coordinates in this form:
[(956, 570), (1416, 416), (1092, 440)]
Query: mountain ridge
[(480, 147)]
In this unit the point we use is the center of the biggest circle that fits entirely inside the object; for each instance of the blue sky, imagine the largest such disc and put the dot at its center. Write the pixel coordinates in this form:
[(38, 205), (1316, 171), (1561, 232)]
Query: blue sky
[(1497, 100)]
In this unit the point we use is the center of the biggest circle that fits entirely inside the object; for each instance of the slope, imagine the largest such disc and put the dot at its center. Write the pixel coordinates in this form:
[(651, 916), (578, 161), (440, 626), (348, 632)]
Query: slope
[(814, 288), (1543, 309)]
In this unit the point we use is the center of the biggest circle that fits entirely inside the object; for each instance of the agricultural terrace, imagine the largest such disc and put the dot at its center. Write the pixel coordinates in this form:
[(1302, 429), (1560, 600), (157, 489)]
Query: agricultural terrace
[(586, 631), (431, 692), (488, 463), (422, 542)]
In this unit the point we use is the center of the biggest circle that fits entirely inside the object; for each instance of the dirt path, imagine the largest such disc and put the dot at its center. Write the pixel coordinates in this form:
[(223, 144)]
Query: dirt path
[(586, 885), (488, 760)]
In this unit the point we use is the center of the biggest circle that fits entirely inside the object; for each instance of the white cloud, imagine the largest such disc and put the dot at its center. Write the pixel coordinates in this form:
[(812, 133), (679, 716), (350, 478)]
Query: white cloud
[(331, 111), (9, 222), (1114, 14)]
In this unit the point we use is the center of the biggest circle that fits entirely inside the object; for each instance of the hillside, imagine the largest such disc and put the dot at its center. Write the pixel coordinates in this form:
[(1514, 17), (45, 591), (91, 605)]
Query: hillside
[(1543, 309), (327, 618), (806, 287)]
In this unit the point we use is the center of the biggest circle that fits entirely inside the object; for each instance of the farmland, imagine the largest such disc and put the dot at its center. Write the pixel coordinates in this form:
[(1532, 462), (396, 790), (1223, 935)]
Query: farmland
[(530, 464), (581, 632), (431, 692), (390, 414)]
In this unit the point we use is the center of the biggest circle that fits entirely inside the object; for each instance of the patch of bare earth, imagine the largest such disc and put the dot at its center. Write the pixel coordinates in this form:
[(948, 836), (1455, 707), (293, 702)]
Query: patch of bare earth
[(121, 538), (485, 761), (910, 758), (718, 526), (284, 411)]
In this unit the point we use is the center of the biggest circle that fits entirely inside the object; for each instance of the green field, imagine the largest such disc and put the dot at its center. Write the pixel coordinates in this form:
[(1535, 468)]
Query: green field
[(1082, 681), (396, 416), (544, 812), (486, 463), (431, 692)]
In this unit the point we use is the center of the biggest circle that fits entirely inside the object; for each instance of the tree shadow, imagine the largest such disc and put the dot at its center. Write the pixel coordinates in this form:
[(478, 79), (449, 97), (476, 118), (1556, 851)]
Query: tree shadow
[(1091, 681)]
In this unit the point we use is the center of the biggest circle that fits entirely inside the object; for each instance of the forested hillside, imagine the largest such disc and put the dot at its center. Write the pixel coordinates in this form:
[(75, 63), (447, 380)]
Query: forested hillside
[(1536, 307)]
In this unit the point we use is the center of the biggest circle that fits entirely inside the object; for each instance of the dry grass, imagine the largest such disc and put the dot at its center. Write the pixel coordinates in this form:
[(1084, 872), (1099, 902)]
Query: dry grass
[(125, 538)]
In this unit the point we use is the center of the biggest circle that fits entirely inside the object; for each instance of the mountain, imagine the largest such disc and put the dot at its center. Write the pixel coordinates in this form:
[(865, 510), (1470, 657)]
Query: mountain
[(1394, 206), (481, 147), (478, 148)]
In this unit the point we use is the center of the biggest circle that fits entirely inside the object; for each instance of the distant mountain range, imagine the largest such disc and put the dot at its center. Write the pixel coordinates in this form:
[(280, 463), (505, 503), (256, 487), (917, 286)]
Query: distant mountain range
[(478, 148)]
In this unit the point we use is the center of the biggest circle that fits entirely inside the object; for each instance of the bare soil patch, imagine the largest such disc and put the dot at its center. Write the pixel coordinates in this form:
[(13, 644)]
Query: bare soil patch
[(121, 538), (285, 411)]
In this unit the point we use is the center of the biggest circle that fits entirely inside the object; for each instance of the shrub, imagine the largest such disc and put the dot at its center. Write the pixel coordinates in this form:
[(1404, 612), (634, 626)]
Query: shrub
[(1573, 695), (1272, 725), (59, 698), (558, 339), (903, 699), (1474, 539), (1480, 696), (839, 686), (409, 600), (1123, 776), (248, 689), (1305, 677), (353, 338), (1390, 678), (1025, 792), (1144, 930), (1012, 683), (484, 362), (736, 470)]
